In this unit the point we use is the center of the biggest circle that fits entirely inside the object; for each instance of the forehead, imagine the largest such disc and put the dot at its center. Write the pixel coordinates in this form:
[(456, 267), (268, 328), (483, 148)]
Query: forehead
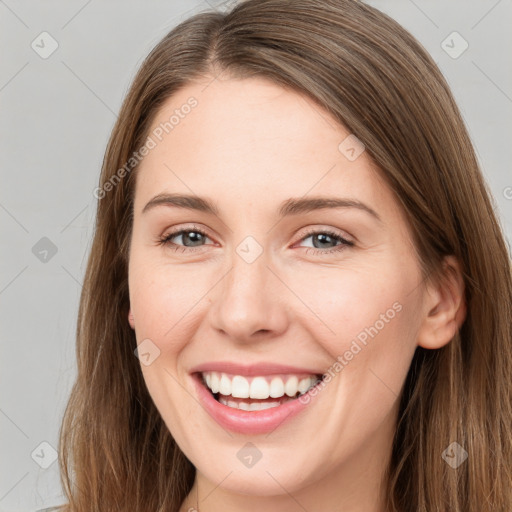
[(253, 142), (247, 115)]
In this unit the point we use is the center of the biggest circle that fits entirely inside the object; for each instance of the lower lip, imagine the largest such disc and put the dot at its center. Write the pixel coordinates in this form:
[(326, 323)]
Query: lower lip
[(246, 422)]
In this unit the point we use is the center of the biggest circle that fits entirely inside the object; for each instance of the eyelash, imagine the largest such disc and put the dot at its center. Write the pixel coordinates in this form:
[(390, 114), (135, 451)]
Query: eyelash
[(165, 240)]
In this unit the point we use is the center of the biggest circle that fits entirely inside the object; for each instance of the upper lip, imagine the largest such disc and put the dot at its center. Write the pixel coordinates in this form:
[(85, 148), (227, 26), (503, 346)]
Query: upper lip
[(250, 370)]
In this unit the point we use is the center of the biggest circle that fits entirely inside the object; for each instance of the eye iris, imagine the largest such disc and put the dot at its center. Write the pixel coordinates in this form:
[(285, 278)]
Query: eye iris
[(322, 237), (188, 236)]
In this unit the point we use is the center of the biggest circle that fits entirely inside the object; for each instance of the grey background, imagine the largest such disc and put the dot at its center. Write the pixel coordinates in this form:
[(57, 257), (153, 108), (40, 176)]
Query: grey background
[(56, 117)]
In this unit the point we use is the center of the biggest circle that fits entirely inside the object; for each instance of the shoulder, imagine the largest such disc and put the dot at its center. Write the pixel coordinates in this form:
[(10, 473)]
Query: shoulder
[(50, 509)]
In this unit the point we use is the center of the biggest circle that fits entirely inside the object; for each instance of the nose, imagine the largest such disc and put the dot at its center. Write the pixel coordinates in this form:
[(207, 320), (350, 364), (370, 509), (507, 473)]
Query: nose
[(249, 303)]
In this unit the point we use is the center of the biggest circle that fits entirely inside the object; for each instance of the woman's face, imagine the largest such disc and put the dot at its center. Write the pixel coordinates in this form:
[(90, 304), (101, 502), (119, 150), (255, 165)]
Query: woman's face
[(266, 291)]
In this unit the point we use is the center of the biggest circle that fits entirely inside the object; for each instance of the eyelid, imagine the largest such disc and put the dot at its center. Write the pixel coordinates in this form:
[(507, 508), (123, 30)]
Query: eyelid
[(186, 227), (165, 238), (312, 230)]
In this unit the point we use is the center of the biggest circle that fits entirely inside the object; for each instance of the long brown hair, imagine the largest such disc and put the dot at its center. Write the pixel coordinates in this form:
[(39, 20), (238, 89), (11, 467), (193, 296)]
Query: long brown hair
[(115, 451)]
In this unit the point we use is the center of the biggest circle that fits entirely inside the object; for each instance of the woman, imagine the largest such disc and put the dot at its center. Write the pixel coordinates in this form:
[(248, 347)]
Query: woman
[(227, 358)]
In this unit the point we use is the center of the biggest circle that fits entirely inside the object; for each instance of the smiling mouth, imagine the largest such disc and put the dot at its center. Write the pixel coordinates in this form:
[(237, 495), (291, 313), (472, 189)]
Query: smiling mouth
[(258, 392)]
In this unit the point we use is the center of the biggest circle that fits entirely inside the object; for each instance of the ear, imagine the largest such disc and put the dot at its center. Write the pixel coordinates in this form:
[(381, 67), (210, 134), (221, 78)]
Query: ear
[(131, 320), (445, 307)]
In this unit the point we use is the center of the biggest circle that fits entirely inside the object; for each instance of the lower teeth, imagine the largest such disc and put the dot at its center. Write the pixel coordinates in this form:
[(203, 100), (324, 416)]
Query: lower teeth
[(252, 405)]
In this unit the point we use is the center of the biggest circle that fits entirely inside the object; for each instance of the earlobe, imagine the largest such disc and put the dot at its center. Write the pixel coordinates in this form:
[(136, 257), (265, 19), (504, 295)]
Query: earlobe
[(131, 320), (445, 307)]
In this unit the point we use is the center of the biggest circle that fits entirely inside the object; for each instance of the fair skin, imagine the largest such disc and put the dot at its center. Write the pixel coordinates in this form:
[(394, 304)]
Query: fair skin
[(248, 146)]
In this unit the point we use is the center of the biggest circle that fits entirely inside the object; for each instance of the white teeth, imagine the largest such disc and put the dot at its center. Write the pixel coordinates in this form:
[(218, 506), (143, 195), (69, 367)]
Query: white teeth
[(304, 385), (276, 387), (255, 406), (239, 387), (214, 382), (225, 385), (260, 387), (244, 406), (291, 386)]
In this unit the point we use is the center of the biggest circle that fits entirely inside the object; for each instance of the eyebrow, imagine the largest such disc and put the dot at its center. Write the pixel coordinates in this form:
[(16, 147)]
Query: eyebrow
[(292, 206)]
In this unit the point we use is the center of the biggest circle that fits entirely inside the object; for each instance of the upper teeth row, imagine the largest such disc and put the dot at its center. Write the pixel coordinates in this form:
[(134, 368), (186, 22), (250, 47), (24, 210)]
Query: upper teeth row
[(257, 387)]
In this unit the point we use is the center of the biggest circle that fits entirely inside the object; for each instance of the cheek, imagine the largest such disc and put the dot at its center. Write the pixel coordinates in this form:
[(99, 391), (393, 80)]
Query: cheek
[(342, 302), (374, 353), (163, 300), (366, 320)]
